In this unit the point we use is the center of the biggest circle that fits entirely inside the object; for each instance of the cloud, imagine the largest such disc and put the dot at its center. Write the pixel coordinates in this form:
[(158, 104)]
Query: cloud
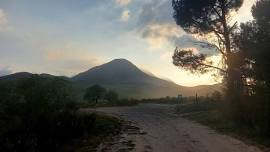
[(160, 34), (156, 25), (166, 56), (53, 55), (74, 66), (3, 19), (69, 60), (125, 15), (123, 2), (5, 71), (156, 11)]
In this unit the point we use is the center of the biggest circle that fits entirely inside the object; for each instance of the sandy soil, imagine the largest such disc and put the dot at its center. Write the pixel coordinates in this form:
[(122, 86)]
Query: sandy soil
[(161, 130)]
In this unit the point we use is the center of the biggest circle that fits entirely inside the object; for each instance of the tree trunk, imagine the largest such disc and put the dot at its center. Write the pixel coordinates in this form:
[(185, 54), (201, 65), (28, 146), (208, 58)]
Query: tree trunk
[(233, 78)]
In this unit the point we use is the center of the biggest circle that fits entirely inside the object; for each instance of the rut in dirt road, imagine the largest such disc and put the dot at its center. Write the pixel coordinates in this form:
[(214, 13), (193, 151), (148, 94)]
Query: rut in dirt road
[(168, 132)]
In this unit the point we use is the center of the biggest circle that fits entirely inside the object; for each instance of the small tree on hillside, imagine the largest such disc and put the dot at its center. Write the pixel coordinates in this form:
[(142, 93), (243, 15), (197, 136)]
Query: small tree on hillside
[(94, 93)]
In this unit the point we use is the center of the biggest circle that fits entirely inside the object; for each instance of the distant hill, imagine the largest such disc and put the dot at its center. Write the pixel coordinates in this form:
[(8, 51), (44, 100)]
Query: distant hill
[(16, 78), (129, 81), (125, 78)]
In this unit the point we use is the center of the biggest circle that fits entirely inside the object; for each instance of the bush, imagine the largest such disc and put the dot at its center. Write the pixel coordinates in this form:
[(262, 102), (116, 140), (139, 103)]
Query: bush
[(40, 114)]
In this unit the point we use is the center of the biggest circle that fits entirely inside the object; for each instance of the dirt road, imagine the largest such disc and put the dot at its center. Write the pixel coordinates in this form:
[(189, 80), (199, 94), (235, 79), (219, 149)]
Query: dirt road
[(168, 132)]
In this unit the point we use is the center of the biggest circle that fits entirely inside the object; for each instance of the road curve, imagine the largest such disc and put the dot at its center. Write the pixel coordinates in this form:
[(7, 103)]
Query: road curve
[(168, 132)]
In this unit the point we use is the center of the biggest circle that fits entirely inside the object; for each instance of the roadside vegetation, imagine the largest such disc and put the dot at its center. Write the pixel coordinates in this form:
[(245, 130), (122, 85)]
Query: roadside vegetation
[(41, 114), (216, 96), (213, 113), (165, 100), (98, 96)]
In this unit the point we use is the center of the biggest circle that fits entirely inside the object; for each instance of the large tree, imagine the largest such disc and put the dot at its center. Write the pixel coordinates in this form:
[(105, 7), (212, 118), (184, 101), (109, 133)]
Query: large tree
[(209, 19), (253, 40)]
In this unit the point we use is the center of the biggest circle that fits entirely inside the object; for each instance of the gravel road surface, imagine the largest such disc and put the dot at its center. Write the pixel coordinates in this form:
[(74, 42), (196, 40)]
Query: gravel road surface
[(161, 130)]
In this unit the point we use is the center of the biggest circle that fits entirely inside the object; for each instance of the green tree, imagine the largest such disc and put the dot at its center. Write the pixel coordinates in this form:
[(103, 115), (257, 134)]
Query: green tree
[(253, 40), (111, 96), (94, 93), (210, 20)]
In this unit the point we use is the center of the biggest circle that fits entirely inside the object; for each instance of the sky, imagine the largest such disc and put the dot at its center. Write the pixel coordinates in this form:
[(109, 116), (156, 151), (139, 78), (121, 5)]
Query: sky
[(66, 37)]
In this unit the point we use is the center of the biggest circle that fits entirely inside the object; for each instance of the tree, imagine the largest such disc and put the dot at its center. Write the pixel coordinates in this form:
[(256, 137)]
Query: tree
[(261, 39), (209, 19), (111, 96), (253, 40), (94, 92)]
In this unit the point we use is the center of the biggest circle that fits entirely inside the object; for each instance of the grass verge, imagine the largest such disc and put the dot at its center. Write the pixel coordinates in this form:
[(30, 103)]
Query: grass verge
[(209, 114)]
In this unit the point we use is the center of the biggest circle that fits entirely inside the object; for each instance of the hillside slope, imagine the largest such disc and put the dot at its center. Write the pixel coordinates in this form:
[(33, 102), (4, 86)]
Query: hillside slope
[(129, 81)]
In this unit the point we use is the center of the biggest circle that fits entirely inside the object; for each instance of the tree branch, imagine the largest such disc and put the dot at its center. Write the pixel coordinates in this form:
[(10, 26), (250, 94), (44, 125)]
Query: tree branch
[(217, 34), (210, 66), (228, 3), (215, 10), (230, 30), (211, 45)]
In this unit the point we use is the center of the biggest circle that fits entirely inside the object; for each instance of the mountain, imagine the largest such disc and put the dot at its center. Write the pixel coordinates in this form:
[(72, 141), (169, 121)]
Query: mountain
[(125, 78), (129, 81)]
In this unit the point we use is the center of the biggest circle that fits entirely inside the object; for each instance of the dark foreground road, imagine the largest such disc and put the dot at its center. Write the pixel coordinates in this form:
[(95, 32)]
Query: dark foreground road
[(167, 132)]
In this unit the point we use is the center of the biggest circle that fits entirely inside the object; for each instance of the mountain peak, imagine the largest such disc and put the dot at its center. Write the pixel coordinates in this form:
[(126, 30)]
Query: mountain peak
[(118, 69), (120, 61), (118, 65)]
